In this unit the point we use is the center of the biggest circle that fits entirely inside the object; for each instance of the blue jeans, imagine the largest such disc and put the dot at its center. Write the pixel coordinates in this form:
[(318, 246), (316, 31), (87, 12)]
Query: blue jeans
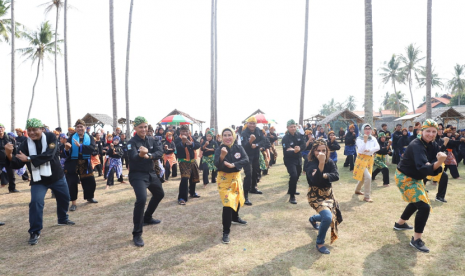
[(36, 207), (325, 218)]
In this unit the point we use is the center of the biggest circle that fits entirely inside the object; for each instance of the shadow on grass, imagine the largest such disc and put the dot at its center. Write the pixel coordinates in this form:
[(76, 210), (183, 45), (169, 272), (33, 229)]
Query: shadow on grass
[(392, 258)]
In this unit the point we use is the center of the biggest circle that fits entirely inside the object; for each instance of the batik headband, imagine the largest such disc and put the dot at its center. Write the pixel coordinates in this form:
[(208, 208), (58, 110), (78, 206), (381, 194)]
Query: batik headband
[(34, 123), (430, 123), (139, 120), (290, 122)]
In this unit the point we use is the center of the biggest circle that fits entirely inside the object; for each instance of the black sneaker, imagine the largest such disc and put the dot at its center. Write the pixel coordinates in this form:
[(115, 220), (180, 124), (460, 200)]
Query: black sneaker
[(239, 221), (292, 200), (152, 222), (92, 200), (138, 241), (256, 191), (194, 195), (2, 223), (34, 239), (13, 191), (225, 238), (419, 245), (73, 208), (441, 199), (247, 202), (68, 222), (401, 227)]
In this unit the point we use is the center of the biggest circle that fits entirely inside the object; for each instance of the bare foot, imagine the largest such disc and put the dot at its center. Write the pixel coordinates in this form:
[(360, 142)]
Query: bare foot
[(107, 188)]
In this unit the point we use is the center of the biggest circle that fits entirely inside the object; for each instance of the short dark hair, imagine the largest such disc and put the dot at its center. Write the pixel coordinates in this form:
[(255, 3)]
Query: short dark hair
[(383, 125), (398, 125)]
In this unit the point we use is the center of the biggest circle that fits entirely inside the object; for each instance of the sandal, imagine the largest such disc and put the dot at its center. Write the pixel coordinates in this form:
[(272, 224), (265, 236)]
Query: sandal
[(368, 200), (359, 193), (181, 202), (316, 226), (323, 250)]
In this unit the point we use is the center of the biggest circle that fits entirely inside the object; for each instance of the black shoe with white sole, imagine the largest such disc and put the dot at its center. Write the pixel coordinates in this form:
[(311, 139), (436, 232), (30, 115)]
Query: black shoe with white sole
[(239, 221), (34, 239), (68, 222), (152, 222), (225, 239), (441, 199), (401, 227), (419, 245)]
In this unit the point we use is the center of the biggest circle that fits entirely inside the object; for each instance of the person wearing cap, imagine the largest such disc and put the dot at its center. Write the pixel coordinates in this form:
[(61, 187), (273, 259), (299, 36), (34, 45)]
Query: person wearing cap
[(422, 157), (380, 159), (185, 147), (293, 143), (142, 151), (39, 154), (366, 146), (395, 144), (78, 166), (252, 141), (230, 158), (114, 154), (7, 173)]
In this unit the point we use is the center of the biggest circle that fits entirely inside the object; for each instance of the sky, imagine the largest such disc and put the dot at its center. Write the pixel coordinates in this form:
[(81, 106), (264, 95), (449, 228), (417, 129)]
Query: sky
[(260, 56)]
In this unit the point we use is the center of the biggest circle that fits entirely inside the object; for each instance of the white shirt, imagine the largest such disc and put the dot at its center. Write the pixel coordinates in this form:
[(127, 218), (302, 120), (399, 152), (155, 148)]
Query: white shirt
[(371, 145)]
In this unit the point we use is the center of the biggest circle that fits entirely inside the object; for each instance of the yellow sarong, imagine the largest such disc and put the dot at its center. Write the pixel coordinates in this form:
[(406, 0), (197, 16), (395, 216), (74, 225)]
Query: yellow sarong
[(363, 162), (230, 189), (437, 177)]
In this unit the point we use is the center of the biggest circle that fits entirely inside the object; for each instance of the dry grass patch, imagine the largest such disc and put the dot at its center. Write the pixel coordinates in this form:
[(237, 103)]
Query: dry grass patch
[(277, 241)]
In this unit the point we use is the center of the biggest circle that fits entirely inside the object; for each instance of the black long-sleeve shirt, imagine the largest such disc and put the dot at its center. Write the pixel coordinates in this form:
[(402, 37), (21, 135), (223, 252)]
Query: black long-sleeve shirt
[(383, 147), (211, 145), (236, 155), (317, 179), (272, 137), (333, 146), (395, 138), (417, 154), (350, 139), (49, 155), (180, 148), (116, 151), (3, 141), (171, 147), (140, 164), (290, 142), (259, 141)]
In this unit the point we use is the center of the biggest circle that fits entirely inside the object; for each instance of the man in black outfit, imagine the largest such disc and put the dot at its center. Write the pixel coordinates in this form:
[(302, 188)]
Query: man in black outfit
[(39, 154), (293, 143), (252, 141), (142, 152), (395, 139), (9, 176)]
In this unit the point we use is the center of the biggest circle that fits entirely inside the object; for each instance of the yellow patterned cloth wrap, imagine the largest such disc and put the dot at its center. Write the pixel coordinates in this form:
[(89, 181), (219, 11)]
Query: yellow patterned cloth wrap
[(412, 190), (363, 162), (230, 189), (437, 177)]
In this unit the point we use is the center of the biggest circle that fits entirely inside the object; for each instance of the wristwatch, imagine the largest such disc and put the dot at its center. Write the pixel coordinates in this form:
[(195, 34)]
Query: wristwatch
[(150, 155), (28, 159)]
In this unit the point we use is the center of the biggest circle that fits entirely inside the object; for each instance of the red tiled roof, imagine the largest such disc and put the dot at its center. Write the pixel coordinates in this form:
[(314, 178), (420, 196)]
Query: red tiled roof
[(422, 109), (376, 113)]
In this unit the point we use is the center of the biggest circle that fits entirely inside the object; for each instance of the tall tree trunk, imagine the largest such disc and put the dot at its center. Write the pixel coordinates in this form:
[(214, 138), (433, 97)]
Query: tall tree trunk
[(216, 69), (459, 99), (368, 62), (304, 69), (113, 71), (410, 87), (212, 68), (13, 104), (428, 60), (33, 90), (397, 98), (68, 105), (56, 69), (127, 70)]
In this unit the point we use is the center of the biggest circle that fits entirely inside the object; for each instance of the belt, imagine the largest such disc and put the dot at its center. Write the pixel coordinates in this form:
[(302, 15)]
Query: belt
[(331, 151), (380, 155)]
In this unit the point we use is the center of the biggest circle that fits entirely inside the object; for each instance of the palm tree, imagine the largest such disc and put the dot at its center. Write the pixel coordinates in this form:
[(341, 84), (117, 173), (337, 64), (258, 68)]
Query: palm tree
[(350, 103), (411, 60), (41, 44), (213, 104), (68, 105), (397, 100), (457, 83), (216, 67), (48, 7), (304, 70), (113, 70), (392, 73), (127, 68), (428, 58), (368, 62), (385, 101), (421, 78)]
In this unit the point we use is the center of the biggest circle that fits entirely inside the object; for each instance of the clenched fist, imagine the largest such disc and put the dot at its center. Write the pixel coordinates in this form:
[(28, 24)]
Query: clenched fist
[(441, 156), (143, 151), (9, 149), (224, 152), (67, 146), (252, 138)]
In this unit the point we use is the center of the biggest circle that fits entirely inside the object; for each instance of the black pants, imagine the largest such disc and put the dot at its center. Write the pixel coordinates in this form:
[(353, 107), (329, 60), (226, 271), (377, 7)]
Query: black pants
[(206, 172), (272, 162), (350, 159), (420, 218), (88, 186), (384, 171), (185, 189), (125, 160), (251, 171), (395, 156), (8, 177), (294, 170), (460, 157), (454, 172), (229, 215), (25, 176), (442, 187), (168, 171), (111, 178), (98, 168), (140, 182)]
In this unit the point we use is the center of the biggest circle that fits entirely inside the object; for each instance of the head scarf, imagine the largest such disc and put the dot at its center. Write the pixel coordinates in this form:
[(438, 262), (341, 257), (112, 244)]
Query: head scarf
[(233, 134), (70, 129), (272, 128), (19, 130), (331, 132), (448, 130), (168, 135), (381, 134), (80, 122), (429, 123), (209, 132), (34, 123), (363, 129), (1, 125), (290, 122), (308, 131), (212, 130), (251, 119), (116, 138), (352, 126), (56, 132), (139, 120), (118, 128)]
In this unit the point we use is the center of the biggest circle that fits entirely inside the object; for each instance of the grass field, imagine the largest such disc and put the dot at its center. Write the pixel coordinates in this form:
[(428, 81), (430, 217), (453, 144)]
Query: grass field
[(278, 239)]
